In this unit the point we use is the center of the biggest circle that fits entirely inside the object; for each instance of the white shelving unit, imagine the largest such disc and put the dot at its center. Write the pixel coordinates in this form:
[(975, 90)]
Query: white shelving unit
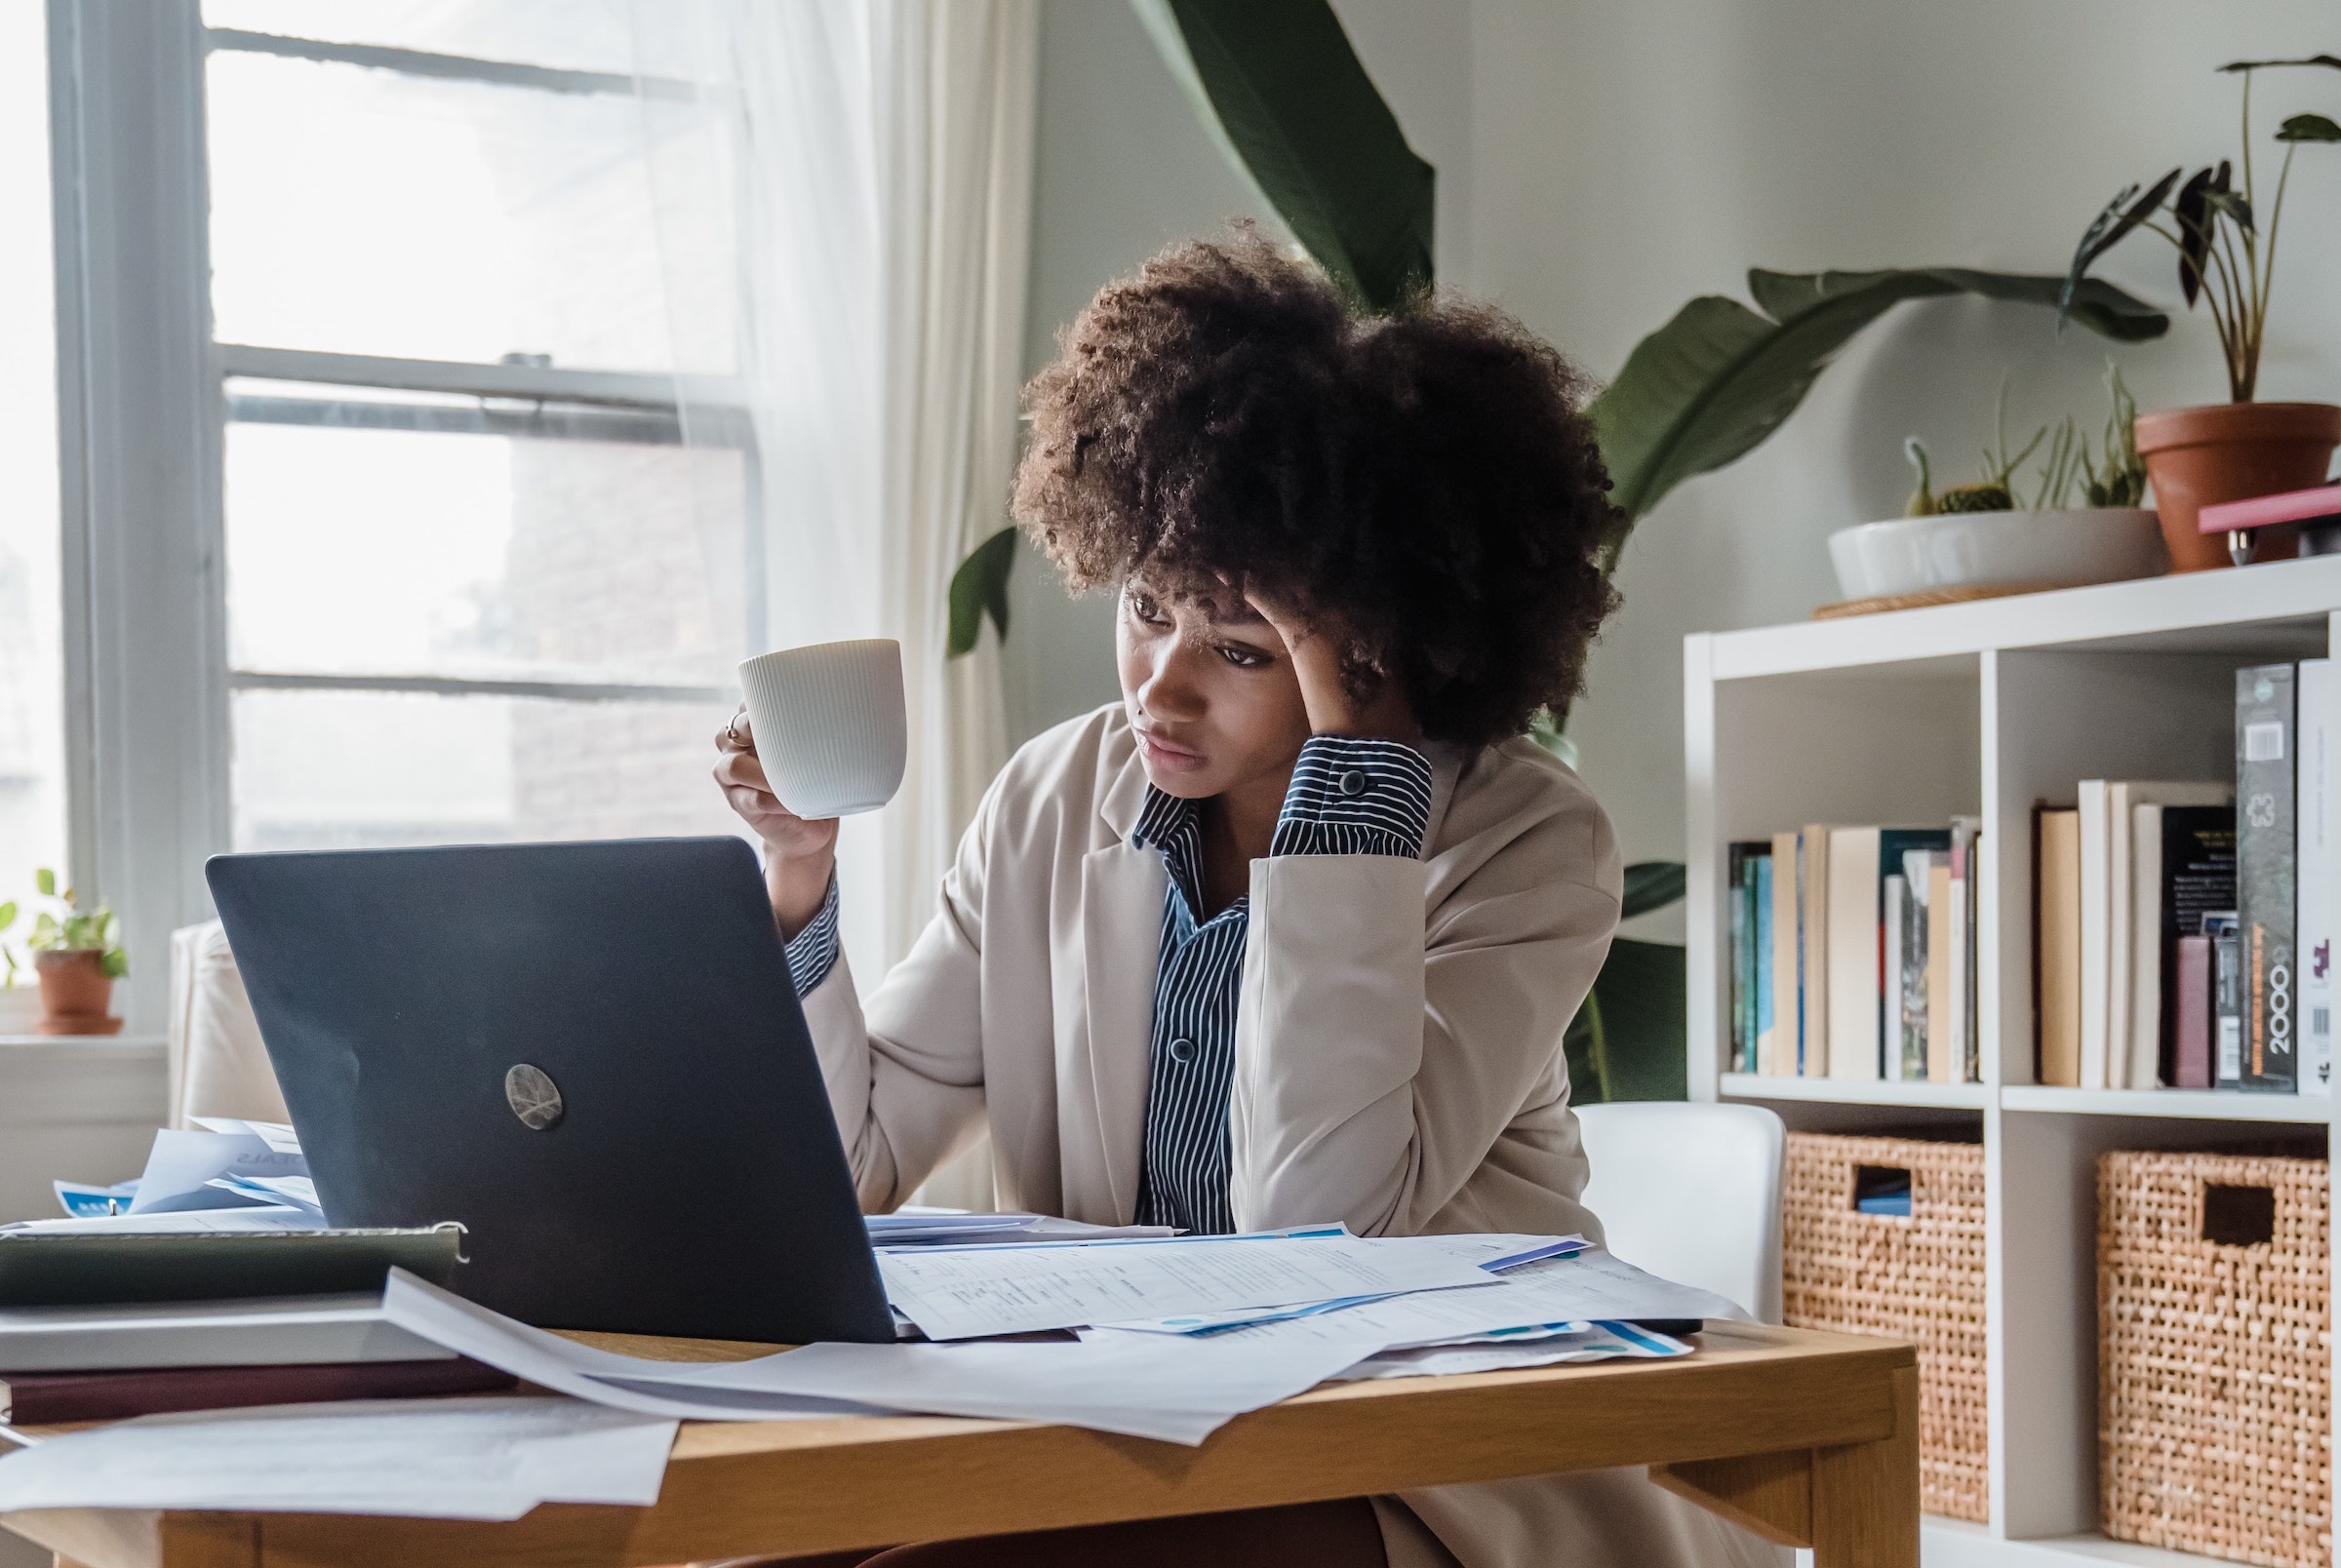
[(1987, 708)]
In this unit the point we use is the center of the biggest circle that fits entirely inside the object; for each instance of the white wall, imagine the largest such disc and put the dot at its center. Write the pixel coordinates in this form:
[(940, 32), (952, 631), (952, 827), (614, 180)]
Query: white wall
[(1600, 163), (1627, 157)]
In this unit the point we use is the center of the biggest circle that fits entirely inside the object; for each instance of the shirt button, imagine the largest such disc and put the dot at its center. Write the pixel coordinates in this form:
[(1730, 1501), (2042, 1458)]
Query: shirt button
[(1353, 782), (1182, 1050)]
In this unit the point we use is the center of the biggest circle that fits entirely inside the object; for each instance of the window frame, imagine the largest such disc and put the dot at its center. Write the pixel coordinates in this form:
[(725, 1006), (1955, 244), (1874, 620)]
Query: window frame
[(143, 409)]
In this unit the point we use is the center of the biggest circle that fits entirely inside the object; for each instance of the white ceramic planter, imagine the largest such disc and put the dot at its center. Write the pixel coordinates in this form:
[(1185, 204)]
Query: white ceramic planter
[(1997, 549)]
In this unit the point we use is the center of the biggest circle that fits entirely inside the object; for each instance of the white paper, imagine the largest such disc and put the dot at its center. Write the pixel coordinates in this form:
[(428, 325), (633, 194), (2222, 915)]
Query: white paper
[(967, 1293), (277, 1135), (456, 1459), (1590, 1286), (181, 1221), (564, 1365), (1173, 1390), (1596, 1344), (297, 1191), (181, 1164)]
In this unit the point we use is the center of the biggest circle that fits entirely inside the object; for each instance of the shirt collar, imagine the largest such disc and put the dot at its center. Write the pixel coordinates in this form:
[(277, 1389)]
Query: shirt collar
[(1161, 821)]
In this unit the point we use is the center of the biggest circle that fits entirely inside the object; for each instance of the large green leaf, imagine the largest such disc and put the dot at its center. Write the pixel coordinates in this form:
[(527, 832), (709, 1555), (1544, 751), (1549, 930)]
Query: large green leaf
[(1651, 884), (979, 587), (1706, 389), (1292, 103), (1627, 1042)]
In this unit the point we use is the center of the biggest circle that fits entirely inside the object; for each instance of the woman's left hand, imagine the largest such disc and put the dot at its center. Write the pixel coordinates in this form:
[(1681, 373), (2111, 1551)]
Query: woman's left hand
[(1315, 649)]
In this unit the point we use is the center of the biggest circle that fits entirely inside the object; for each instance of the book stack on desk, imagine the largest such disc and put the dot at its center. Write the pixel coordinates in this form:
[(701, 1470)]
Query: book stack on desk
[(1854, 954), (121, 1310)]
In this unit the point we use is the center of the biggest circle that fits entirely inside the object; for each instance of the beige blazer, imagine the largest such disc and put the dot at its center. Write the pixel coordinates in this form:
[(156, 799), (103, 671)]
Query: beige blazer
[(1398, 1052)]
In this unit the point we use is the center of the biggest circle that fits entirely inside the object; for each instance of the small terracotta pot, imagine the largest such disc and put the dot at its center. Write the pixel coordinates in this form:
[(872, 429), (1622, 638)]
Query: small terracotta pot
[(75, 991), (2231, 451)]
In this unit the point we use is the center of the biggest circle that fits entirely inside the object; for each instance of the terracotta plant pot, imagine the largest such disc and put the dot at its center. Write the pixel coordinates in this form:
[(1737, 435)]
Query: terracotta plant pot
[(75, 990), (2231, 451)]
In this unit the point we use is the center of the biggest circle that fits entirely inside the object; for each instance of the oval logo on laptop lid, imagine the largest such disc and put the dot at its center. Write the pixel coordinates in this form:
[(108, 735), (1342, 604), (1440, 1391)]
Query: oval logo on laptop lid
[(533, 1095)]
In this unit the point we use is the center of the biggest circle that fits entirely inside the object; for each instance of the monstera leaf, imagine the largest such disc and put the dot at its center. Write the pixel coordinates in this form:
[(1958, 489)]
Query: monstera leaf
[(1710, 385), (1626, 1042)]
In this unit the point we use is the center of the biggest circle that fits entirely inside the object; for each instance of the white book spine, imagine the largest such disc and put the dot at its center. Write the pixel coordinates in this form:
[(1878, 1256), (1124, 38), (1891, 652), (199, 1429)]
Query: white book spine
[(2313, 877), (2145, 946), (2118, 937), (1957, 1025), (2096, 910)]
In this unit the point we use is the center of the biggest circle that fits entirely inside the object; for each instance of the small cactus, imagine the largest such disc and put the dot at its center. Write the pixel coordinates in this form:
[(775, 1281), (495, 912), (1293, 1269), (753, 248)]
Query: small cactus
[(1921, 500), (1990, 496)]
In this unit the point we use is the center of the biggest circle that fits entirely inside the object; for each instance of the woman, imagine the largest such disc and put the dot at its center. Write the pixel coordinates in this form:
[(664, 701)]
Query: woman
[(1292, 933)]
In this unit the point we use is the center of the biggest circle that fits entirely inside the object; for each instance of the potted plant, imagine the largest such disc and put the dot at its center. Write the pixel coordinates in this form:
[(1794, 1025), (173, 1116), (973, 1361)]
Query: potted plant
[(1993, 534), (77, 955), (2226, 245)]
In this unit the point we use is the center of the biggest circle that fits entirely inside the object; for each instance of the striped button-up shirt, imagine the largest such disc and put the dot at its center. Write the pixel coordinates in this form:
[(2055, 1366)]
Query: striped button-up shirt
[(1348, 796)]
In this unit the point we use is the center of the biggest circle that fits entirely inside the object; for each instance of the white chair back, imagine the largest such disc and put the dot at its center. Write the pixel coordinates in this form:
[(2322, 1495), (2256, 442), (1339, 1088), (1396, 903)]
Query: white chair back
[(1692, 1191), (219, 1067)]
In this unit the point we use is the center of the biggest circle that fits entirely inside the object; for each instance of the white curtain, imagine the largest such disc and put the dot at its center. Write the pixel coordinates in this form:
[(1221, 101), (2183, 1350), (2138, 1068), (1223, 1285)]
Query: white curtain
[(881, 156)]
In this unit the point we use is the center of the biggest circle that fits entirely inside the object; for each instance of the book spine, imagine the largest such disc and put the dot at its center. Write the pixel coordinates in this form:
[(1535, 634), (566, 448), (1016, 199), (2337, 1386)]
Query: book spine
[(1897, 915), (2056, 948), (2264, 906), (1737, 886), (1766, 1023), (2313, 877), (1787, 957), (1812, 938), (2190, 1013), (1959, 963), (2095, 906), (2227, 1002)]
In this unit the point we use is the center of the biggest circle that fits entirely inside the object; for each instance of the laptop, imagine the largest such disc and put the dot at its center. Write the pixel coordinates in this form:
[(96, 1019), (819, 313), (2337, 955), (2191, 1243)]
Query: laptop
[(589, 1055)]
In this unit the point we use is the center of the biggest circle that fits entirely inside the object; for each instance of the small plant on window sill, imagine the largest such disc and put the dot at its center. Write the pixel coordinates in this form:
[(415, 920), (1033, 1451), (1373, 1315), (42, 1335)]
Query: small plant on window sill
[(65, 930)]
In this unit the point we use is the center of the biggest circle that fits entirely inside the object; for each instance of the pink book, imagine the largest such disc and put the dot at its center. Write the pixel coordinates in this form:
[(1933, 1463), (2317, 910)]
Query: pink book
[(2193, 1031)]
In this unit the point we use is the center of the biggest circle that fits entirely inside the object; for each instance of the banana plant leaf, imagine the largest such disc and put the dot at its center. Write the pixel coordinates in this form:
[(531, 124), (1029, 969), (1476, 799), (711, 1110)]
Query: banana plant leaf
[(1710, 385), (1626, 1042), (979, 588), (1289, 100)]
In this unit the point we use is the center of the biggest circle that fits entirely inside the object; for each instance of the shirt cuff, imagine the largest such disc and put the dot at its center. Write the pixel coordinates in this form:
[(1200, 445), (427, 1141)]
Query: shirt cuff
[(813, 951), (1353, 797)]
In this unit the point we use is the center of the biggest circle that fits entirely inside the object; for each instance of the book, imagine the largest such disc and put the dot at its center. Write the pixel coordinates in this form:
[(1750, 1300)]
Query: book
[(1788, 1024), (2138, 938), (1735, 885), (45, 1398), (2094, 910), (281, 1331), (1895, 934), (1942, 950), (1911, 977), (2264, 864), (1966, 882), (2227, 1001), (2190, 1029), (2189, 857), (1761, 898), (99, 1265), (2056, 946), (1860, 859), (2315, 811), (1812, 951)]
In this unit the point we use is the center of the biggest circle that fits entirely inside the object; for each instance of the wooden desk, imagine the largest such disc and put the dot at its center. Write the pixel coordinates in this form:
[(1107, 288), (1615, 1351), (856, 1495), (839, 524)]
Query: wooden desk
[(1812, 1439)]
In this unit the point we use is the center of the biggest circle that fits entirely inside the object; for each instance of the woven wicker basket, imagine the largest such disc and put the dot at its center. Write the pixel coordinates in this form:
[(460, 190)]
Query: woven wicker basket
[(1916, 1278), (2214, 1360)]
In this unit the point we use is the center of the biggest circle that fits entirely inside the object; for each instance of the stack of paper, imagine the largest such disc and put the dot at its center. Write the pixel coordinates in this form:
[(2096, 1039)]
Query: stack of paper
[(1252, 1320), (936, 1227)]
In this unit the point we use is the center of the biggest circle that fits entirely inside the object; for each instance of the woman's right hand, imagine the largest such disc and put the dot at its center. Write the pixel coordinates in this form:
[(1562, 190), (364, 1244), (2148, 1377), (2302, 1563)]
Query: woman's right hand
[(802, 853)]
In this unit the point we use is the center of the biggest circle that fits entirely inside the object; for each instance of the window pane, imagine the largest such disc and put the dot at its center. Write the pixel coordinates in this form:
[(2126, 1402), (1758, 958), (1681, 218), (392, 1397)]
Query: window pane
[(372, 770), (371, 212), (33, 792), (396, 551), (590, 35)]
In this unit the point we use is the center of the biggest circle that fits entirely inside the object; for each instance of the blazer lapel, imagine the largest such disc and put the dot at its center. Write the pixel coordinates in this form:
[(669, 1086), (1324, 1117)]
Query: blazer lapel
[(1122, 891)]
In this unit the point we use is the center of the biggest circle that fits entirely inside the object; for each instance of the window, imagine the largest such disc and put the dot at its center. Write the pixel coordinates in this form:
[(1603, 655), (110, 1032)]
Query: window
[(479, 585), (33, 780)]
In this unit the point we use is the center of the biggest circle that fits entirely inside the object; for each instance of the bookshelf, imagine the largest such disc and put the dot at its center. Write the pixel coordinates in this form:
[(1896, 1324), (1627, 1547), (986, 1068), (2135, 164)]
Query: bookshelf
[(1984, 708)]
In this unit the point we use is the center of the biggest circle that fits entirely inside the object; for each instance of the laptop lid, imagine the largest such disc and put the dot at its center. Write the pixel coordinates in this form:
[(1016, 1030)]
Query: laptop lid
[(590, 1054)]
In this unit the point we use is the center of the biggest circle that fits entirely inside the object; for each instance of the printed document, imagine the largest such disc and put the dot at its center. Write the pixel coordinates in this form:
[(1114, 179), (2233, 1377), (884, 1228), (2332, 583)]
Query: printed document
[(968, 1293), (452, 1459)]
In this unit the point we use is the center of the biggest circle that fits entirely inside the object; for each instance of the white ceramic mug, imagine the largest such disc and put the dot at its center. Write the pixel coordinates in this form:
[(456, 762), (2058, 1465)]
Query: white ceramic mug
[(829, 725)]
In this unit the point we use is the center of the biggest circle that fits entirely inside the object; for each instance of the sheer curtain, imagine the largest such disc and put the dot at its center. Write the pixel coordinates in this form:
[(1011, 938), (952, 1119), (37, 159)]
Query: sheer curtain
[(878, 170)]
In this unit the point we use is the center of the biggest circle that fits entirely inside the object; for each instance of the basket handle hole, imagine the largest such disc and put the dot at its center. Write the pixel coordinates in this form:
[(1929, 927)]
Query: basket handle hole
[(1881, 1190), (2239, 1216)]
